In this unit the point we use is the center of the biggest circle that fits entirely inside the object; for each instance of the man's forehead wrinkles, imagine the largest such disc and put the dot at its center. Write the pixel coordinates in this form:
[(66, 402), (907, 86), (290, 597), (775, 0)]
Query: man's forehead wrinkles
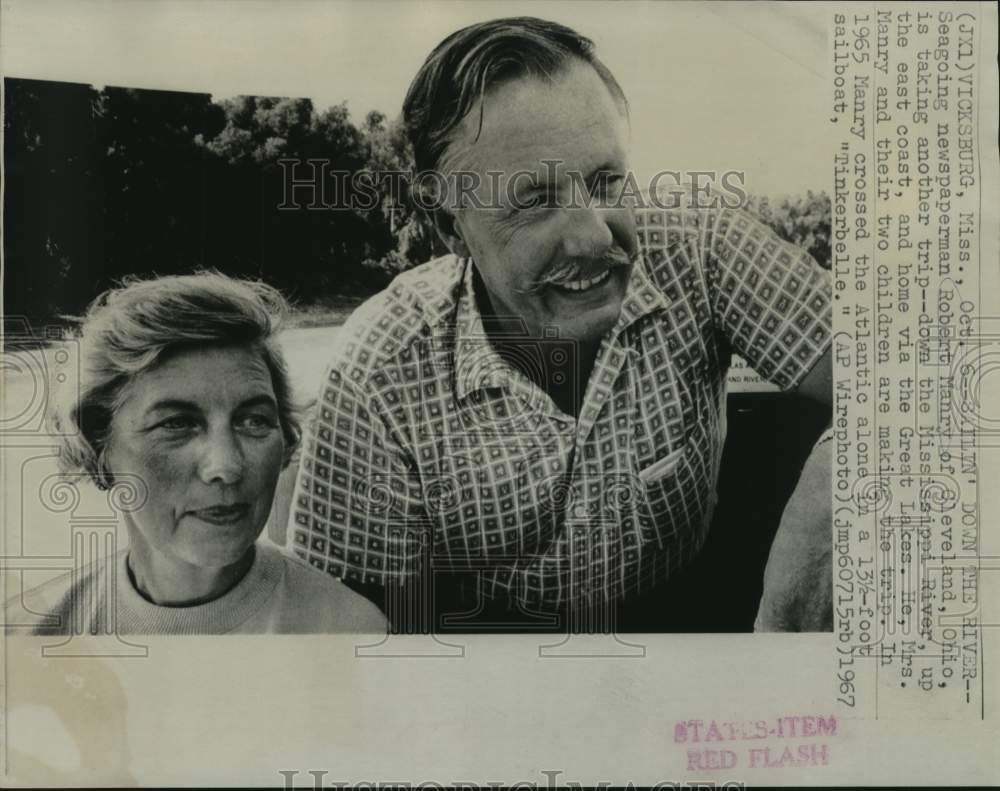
[(575, 148), (522, 112), (521, 128)]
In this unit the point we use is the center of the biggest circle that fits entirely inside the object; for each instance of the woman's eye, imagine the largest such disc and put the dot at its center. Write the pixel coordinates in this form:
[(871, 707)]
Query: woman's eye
[(177, 424), (258, 424)]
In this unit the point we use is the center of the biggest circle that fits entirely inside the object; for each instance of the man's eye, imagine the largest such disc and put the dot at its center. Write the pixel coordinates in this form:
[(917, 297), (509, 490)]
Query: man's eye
[(537, 200), (607, 183)]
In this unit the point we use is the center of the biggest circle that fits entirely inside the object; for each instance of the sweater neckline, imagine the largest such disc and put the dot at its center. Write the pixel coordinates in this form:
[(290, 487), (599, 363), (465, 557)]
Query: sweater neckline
[(137, 615)]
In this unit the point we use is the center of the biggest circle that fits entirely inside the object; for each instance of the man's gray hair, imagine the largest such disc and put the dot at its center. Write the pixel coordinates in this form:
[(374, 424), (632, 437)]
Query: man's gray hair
[(464, 67)]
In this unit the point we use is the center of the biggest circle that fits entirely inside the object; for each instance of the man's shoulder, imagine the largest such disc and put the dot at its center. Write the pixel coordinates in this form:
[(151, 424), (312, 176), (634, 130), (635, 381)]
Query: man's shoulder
[(666, 217), (386, 327), (678, 235), (669, 232)]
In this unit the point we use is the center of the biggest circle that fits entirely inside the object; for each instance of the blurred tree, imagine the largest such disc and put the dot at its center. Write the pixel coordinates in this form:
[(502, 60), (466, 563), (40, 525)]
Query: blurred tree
[(804, 220), (413, 238), (153, 177), (100, 184), (308, 240), (52, 209)]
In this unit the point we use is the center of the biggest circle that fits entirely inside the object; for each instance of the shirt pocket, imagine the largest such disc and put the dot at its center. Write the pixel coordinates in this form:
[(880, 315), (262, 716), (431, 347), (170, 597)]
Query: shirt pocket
[(678, 502), (661, 467)]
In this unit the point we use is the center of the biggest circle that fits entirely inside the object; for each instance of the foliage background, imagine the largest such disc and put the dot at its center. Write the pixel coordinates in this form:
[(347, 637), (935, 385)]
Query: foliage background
[(105, 183)]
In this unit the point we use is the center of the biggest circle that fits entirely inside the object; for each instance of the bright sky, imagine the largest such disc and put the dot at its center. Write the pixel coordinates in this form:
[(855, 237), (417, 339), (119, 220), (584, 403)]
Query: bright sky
[(711, 85)]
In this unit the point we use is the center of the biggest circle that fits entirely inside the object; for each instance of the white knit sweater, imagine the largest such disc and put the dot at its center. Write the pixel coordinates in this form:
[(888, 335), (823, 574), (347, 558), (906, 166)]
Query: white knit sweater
[(279, 595)]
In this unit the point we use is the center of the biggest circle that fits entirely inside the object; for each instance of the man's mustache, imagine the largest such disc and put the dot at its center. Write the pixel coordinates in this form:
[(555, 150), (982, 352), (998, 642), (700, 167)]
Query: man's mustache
[(574, 269)]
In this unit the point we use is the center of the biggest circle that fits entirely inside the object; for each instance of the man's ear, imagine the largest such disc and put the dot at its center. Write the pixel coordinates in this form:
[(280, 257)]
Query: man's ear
[(446, 225)]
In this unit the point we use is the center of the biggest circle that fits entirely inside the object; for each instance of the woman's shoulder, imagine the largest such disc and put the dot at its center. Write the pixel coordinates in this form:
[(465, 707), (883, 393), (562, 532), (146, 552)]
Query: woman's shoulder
[(50, 608), (318, 602)]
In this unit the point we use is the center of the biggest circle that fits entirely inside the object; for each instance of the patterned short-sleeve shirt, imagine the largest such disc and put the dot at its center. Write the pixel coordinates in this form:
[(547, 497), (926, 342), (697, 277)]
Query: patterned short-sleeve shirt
[(429, 451)]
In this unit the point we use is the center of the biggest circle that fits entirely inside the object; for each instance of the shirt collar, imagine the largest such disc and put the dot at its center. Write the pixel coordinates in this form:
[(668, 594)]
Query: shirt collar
[(642, 297), (477, 364), (439, 290)]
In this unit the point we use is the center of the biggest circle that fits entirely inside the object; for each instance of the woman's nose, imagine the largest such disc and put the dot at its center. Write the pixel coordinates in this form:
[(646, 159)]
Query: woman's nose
[(587, 233), (222, 459)]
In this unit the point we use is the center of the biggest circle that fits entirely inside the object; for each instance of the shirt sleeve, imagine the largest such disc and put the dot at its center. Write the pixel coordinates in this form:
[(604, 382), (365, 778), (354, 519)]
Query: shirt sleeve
[(769, 298), (358, 512)]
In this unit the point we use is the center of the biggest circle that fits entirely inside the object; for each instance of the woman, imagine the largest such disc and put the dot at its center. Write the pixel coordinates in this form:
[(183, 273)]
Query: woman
[(184, 395)]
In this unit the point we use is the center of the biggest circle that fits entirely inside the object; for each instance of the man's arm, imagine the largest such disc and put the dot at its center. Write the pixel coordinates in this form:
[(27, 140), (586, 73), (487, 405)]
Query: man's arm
[(358, 511), (798, 580), (773, 302), (769, 299), (818, 383)]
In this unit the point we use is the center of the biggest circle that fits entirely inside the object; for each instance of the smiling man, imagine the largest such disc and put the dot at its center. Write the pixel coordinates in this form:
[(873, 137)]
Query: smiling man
[(544, 408), (544, 262)]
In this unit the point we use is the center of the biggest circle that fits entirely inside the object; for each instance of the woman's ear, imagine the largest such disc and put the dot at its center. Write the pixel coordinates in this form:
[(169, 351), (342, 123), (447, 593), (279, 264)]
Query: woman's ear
[(102, 473), (292, 441)]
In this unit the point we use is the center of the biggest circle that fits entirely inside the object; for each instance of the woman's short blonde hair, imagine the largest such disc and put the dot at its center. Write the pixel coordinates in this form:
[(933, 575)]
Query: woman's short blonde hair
[(132, 328)]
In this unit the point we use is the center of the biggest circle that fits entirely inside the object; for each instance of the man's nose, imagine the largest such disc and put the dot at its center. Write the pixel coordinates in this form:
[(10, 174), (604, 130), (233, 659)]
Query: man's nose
[(587, 233), (222, 459)]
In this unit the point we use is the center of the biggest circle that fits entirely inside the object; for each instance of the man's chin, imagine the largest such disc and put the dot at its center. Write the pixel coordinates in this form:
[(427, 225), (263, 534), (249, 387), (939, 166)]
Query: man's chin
[(587, 315)]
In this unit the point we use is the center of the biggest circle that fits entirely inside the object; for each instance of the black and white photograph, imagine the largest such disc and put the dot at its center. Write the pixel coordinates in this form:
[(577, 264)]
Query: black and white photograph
[(358, 348), (517, 385)]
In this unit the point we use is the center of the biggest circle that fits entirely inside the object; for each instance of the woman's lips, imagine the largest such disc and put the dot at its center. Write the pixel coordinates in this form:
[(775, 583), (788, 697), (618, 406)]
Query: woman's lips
[(222, 514)]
